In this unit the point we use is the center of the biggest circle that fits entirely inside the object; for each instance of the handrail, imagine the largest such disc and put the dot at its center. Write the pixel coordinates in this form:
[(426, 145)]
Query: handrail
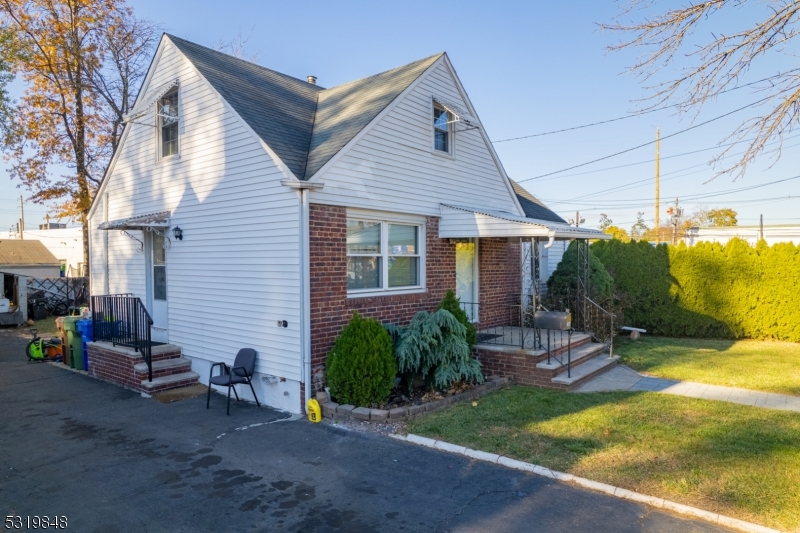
[(124, 321), (610, 317)]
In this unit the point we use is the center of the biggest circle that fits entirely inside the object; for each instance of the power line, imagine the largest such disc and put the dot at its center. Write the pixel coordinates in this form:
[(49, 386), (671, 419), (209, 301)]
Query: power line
[(638, 183), (699, 196), (632, 115), (647, 143)]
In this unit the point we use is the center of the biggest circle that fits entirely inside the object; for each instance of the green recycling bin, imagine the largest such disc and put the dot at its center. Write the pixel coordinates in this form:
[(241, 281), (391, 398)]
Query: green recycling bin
[(74, 342)]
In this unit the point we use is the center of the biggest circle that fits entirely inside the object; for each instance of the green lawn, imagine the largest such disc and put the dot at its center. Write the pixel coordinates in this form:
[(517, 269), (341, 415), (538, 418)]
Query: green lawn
[(770, 366), (737, 460)]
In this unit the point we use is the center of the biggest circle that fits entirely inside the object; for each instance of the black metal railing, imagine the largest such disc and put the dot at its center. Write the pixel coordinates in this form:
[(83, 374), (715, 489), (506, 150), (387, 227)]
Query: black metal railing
[(123, 320), (600, 324)]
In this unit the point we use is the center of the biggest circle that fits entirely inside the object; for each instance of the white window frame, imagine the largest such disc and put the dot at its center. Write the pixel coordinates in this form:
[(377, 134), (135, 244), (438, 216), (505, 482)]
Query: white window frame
[(451, 137), (159, 128), (384, 289)]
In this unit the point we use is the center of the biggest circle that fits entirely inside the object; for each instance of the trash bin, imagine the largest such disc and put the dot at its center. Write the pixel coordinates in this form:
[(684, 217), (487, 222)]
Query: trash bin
[(74, 347), (85, 329)]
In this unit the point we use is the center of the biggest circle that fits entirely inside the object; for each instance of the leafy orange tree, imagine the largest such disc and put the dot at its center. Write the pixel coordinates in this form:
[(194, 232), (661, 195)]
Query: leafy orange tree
[(78, 60)]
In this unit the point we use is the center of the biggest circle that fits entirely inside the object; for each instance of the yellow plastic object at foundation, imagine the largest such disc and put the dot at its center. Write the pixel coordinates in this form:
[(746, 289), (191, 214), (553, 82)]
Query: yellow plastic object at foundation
[(314, 410)]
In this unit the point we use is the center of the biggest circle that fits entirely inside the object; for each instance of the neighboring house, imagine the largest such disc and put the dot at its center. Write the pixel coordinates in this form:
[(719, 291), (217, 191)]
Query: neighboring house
[(772, 234), (298, 205), (28, 258), (65, 243)]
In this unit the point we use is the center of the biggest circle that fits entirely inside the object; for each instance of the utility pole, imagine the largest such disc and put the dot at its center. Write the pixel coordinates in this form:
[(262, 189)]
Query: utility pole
[(761, 228), (658, 188), (21, 218)]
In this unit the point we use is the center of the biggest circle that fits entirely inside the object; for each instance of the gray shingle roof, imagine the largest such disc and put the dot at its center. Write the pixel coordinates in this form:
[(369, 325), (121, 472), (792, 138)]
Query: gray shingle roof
[(28, 253), (533, 207), (279, 108), (304, 124)]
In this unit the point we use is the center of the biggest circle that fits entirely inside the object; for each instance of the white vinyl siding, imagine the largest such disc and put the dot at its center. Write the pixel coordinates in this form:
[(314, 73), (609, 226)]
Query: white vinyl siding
[(394, 167), (235, 274)]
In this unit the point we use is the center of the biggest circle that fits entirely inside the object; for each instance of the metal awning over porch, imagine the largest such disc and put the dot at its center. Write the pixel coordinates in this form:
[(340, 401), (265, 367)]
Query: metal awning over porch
[(460, 222), (150, 220)]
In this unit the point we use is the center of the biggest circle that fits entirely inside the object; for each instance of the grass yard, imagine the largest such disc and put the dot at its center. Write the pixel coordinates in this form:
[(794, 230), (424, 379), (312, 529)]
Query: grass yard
[(769, 366), (737, 460)]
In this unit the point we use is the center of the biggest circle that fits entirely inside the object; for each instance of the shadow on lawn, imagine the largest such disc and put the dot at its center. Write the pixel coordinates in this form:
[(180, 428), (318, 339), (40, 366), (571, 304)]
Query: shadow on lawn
[(558, 429)]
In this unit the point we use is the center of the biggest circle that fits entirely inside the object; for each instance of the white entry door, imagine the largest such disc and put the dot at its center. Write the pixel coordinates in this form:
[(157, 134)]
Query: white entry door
[(466, 278), (157, 285)]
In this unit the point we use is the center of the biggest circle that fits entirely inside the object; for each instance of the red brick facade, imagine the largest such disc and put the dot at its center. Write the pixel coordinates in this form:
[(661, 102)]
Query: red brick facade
[(499, 282), (331, 309)]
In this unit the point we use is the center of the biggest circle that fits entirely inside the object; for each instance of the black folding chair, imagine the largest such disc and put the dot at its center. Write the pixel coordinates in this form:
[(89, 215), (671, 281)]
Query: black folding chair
[(242, 372)]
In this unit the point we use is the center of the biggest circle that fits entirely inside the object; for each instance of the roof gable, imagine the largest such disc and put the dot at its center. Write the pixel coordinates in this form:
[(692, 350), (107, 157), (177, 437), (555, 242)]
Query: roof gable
[(21, 252), (304, 124), (343, 111), (279, 108), (532, 206)]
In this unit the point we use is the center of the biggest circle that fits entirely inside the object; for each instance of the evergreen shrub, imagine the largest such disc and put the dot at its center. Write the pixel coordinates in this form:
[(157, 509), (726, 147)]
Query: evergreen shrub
[(563, 281), (708, 290), (453, 305), (361, 368), (435, 345)]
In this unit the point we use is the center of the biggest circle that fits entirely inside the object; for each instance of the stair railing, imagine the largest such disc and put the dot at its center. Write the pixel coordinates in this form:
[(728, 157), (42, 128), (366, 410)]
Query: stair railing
[(599, 323), (123, 320)]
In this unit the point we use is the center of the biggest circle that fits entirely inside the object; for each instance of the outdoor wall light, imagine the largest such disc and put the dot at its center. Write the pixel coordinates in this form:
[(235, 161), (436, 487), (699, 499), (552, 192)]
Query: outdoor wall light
[(178, 233)]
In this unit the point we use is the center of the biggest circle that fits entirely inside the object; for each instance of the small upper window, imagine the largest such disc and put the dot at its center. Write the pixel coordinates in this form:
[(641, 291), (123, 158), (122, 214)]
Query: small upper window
[(441, 130), (168, 123)]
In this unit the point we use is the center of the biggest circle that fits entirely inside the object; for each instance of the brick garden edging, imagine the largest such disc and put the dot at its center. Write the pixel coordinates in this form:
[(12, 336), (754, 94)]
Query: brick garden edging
[(611, 490), (346, 412)]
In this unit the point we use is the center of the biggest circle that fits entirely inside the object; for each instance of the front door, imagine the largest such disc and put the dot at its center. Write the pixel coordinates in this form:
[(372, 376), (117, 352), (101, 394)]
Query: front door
[(157, 285), (466, 278)]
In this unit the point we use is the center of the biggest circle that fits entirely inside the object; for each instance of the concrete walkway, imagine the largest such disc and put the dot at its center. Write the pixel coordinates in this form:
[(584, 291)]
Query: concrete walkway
[(624, 378)]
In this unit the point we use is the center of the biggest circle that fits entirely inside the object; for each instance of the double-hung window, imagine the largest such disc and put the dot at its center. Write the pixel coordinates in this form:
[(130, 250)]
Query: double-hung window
[(168, 124), (442, 136), (383, 256)]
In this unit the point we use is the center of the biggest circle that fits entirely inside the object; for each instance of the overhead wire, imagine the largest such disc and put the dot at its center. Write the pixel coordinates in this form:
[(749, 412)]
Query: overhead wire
[(636, 114), (631, 149)]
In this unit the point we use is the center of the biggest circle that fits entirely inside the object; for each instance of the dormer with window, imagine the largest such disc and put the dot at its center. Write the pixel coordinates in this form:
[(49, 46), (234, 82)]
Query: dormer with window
[(168, 125)]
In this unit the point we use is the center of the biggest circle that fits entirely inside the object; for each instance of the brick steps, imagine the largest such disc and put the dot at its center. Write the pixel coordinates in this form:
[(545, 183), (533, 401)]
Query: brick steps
[(580, 355), (586, 371), (529, 367), (125, 367), (174, 381), (163, 367)]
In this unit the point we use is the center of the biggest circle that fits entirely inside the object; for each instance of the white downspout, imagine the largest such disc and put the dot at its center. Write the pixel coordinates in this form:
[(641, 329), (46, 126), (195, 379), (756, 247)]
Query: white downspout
[(305, 295), (305, 188)]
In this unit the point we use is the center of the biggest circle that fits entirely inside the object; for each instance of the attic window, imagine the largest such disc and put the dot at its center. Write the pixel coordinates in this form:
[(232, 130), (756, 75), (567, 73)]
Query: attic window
[(441, 129), (168, 122)]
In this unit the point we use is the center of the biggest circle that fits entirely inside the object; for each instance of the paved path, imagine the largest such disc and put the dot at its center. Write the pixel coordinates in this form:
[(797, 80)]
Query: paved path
[(112, 461), (624, 378)]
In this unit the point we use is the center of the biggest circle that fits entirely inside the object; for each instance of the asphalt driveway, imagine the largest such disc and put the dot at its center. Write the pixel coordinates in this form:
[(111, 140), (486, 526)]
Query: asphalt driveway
[(112, 461)]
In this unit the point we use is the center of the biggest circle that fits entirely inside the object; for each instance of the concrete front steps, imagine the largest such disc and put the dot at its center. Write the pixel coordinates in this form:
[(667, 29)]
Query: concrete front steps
[(531, 367), (125, 367)]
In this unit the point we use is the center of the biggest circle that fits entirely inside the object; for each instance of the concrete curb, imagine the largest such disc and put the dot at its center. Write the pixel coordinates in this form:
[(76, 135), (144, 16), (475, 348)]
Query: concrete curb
[(617, 492)]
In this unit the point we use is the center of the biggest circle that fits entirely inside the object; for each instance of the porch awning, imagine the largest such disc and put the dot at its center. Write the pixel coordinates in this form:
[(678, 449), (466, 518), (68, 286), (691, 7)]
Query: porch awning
[(459, 222), (150, 220)]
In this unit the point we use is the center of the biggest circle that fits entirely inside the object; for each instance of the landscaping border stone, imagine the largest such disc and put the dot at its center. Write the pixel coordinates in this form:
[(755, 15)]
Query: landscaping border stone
[(344, 412)]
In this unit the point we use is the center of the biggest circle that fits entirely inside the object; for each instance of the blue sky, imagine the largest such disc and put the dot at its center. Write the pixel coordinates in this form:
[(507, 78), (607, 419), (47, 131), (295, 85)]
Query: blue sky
[(529, 67)]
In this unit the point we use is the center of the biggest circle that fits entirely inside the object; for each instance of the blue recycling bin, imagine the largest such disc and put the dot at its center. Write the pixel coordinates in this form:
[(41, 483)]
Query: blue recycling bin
[(87, 335)]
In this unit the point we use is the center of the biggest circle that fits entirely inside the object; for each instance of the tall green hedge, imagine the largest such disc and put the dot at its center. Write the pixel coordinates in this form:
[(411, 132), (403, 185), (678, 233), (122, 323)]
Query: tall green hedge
[(707, 290)]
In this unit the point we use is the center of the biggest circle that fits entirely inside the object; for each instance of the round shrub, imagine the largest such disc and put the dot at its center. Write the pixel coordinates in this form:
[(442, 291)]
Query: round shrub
[(361, 367)]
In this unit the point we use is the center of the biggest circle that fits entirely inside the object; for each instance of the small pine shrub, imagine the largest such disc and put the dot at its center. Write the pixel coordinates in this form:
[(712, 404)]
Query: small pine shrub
[(360, 369), (564, 279), (435, 345), (453, 304)]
